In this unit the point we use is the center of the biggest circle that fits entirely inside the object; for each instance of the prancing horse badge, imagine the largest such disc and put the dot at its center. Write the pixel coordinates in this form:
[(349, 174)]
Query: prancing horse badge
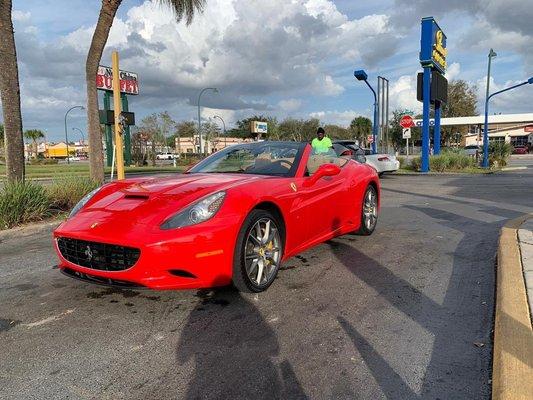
[(293, 186)]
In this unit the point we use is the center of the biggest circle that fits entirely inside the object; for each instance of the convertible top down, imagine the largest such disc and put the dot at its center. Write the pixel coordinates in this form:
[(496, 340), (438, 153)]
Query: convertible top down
[(232, 218)]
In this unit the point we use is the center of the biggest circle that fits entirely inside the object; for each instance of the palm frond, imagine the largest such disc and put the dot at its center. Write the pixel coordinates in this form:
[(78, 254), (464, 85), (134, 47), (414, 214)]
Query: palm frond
[(184, 9)]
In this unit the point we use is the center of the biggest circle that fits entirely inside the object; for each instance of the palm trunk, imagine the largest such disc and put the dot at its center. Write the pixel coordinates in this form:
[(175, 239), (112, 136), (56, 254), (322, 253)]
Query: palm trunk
[(10, 94), (101, 33)]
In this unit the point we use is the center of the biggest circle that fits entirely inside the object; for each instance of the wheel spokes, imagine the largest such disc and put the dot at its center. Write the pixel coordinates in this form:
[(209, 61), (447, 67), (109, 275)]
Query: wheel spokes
[(263, 251)]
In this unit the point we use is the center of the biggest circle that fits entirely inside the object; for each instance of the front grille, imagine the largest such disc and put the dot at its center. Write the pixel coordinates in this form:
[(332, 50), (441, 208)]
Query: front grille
[(101, 256)]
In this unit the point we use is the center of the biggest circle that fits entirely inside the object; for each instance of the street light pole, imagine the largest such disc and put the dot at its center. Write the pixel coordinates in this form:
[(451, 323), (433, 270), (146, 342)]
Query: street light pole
[(361, 75), (224, 125), (199, 116), (486, 127), (81, 133), (66, 132)]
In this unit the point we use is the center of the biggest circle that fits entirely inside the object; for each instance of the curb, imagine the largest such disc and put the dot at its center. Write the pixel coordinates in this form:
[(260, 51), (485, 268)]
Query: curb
[(30, 228), (513, 336)]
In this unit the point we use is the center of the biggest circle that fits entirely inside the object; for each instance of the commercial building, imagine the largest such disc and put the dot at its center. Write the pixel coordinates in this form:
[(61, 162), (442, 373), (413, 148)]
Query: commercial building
[(516, 129)]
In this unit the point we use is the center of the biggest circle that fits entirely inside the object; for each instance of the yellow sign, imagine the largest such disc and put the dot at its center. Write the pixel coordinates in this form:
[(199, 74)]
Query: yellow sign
[(439, 51)]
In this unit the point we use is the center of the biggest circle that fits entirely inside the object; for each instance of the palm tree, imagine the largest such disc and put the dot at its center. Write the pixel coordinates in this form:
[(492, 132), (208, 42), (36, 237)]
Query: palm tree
[(34, 135), (181, 8), (10, 95), (361, 127)]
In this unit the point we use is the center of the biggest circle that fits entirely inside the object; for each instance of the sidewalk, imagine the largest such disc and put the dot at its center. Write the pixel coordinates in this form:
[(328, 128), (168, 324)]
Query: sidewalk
[(525, 239)]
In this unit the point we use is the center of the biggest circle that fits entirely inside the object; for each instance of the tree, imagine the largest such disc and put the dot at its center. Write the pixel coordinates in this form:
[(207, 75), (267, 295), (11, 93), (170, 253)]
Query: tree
[(181, 8), (34, 135), (361, 127), (150, 129), (298, 130), (396, 131), (337, 132), (10, 95), (462, 102)]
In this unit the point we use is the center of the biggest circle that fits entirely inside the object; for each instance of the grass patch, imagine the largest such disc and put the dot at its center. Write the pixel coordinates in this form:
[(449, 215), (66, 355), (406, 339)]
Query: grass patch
[(65, 192), (22, 202)]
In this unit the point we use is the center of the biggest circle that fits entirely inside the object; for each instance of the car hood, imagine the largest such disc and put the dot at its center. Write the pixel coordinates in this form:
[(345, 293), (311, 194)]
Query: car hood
[(122, 205)]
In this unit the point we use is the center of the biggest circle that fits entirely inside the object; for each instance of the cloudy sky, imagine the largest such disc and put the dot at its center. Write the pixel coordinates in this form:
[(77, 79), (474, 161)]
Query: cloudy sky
[(275, 57)]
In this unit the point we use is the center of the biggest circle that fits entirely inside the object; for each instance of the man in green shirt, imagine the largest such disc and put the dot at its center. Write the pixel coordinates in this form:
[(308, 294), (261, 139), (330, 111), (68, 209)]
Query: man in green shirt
[(322, 143)]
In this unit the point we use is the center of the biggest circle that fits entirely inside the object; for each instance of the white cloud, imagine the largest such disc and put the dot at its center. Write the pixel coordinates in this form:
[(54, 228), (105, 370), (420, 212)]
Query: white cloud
[(402, 94), (290, 105), (341, 118), (20, 16), (453, 71)]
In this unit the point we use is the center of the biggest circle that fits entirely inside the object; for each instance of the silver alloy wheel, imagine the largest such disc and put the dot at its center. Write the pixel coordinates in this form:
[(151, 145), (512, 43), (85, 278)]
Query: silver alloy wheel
[(370, 210), (262, 253)]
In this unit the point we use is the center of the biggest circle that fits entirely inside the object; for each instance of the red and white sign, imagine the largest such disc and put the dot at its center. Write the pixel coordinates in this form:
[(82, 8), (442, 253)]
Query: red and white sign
[(129, 83), (406, 121), (370, 139), (528, 128)]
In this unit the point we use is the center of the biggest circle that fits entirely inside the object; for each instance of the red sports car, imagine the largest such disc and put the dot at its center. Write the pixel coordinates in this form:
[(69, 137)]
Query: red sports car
[(232, 218)]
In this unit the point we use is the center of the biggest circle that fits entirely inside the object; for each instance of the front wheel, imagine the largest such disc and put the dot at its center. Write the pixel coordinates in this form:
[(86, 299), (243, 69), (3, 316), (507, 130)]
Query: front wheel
[(258, 252), (369, 212)]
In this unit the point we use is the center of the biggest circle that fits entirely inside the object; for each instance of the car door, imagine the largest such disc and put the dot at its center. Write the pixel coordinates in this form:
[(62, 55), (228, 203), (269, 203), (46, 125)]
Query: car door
[(326, 199)]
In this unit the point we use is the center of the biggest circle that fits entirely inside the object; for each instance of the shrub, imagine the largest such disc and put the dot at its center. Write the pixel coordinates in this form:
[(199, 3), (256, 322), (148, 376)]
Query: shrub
[(43, 161), (65, 192), (416, 163), (22, 202), (499, 152), (439, 162), (402, 161)]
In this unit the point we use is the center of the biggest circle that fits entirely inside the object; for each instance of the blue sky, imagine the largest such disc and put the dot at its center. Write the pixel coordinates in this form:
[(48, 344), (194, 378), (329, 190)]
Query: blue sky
[(281, 58)]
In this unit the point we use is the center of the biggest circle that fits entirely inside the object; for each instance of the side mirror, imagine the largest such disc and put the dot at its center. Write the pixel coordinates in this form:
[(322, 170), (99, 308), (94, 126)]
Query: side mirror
[(322, 171)]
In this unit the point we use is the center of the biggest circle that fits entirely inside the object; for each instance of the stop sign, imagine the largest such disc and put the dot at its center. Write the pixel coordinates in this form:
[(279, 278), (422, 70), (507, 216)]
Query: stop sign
[(406, 121)]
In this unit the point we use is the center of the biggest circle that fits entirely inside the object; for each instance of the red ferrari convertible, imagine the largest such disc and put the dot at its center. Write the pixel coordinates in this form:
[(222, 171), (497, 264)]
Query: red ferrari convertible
[(232, 218)]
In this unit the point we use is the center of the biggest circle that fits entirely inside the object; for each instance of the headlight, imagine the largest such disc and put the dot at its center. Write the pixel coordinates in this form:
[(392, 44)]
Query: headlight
[(198, 212), (82, 202)]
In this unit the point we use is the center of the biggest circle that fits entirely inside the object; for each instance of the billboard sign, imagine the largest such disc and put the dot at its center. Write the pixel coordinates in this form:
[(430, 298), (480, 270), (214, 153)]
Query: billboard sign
[(259, 127), (433, 50), (129, 83)]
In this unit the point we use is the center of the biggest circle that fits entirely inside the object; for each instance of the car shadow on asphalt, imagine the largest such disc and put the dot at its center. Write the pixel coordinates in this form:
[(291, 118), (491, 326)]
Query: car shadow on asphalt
[(460, 363), (234, 351)]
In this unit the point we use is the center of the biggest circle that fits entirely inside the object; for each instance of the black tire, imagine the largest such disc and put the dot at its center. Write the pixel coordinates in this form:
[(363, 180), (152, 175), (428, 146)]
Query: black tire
[(366, 228), (241, 276)]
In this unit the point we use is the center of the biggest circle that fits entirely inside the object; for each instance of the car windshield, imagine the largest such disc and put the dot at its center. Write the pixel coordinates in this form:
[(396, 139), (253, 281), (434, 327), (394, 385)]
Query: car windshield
[(261, 158)]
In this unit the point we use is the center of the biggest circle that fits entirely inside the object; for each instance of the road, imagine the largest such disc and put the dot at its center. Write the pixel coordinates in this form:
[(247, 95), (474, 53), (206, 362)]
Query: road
[(406, 313)]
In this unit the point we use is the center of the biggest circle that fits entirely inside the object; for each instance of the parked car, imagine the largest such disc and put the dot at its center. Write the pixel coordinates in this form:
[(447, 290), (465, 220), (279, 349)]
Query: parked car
[(233, 217), (74, 158), (520, 150), (380, 162), (166, 156), (472, 150)]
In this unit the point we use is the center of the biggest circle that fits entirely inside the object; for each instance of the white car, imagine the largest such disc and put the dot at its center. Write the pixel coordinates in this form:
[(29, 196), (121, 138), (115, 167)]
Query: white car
[(380, 162), (165, 156)]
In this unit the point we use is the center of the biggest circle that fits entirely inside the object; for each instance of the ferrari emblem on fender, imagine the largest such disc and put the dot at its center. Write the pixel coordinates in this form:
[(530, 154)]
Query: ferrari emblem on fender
[(293, 186), (94, 225)]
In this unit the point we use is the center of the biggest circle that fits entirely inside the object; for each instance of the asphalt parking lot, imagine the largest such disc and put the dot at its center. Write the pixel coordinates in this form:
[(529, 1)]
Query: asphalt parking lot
[(404, 314)]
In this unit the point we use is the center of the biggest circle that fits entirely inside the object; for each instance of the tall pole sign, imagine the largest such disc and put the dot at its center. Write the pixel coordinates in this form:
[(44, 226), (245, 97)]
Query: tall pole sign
[(117, 107), (434, 89)]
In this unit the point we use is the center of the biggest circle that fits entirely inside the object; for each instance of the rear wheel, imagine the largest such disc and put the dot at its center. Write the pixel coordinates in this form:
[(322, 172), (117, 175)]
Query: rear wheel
[(258, 252), (369, 212)]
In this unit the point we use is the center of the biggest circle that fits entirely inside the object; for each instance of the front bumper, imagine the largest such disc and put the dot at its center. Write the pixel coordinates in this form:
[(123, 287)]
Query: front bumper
[(187, 258)]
